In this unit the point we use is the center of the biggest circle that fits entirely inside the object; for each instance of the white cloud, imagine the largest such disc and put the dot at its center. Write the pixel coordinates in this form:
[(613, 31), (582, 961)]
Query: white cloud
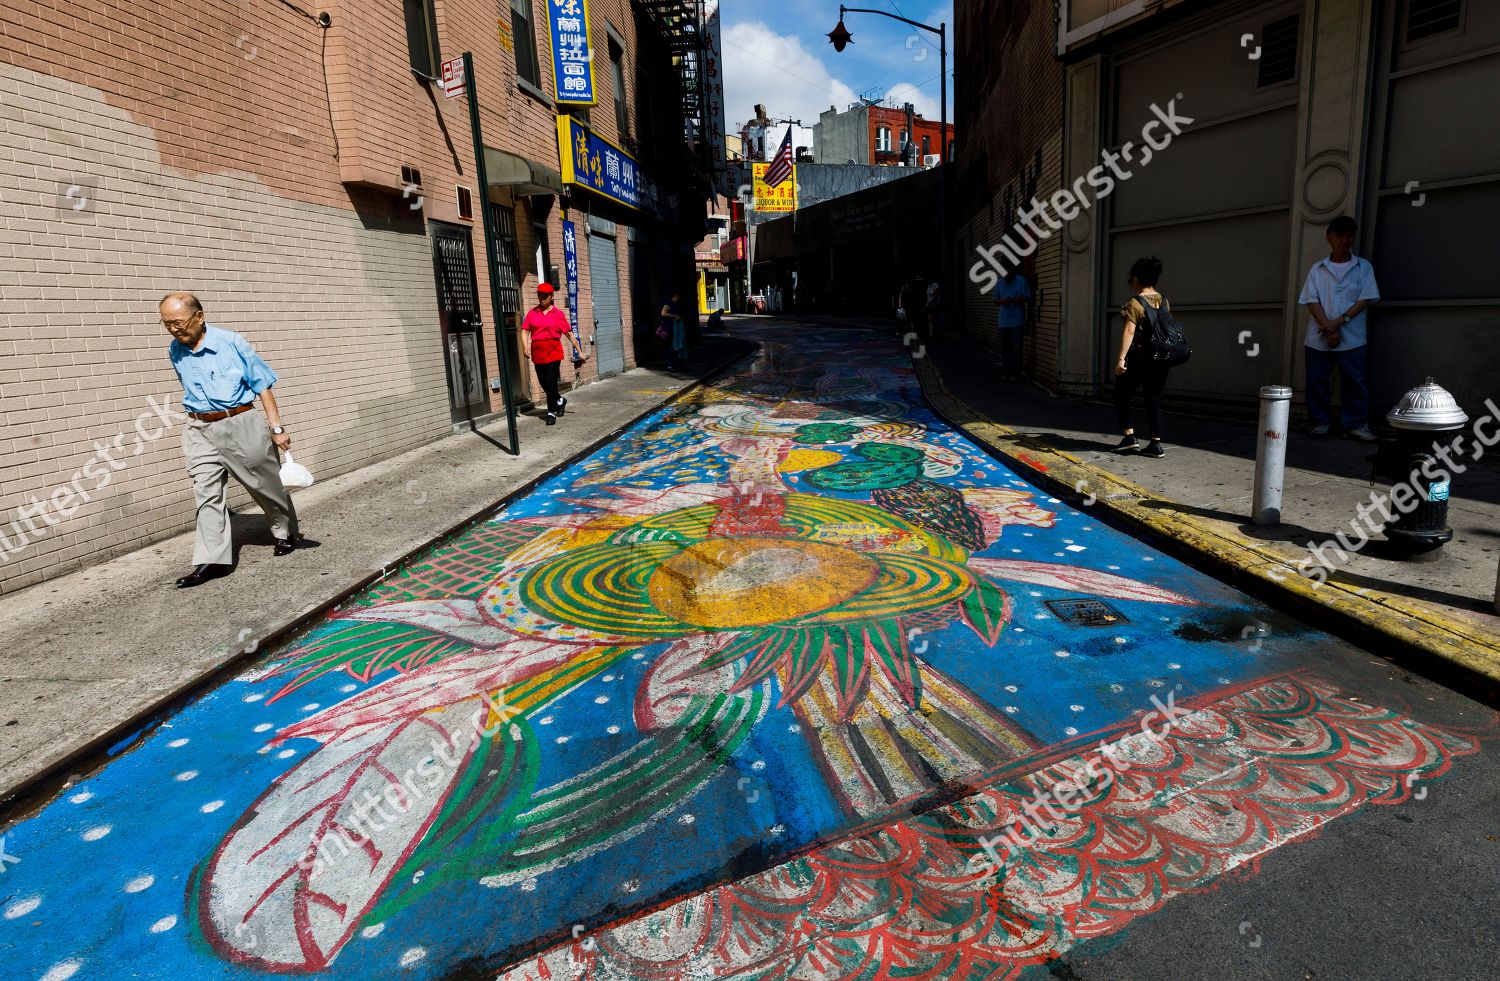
[(761, 66), (903, 92)]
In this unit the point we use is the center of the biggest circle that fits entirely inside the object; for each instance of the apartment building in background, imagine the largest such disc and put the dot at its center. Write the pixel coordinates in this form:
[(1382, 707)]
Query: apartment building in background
[(307, 175), (880, 134), (1301, 110)]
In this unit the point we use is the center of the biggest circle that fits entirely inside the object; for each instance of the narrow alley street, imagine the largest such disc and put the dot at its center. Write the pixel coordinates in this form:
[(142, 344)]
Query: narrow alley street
[(790, 680)]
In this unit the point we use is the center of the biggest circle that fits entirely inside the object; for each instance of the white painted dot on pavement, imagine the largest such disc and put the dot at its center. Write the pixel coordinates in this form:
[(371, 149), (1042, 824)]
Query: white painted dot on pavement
[(372, 931), (630, 885), (1019, 630), (1063, 653), (1078, 548), (1150, 559), (613, 730), (602, 700), (254, 698), (529, 885), (97, 831), (1088, 527), (211, 806), (310, 707), (80, 797), (186, 775), (413, 957), (1071, 731), (1068, 541), (1122, 640), (1034, 593), (1059, 555), (638, 657), (609, 677), (286, 754), (1113, 568), (177, 743), (1011, 709), (1012, 688), (140, 883), (21, 907), (1175, 667), (1016, 551), (1053, 500), (1117, 688), (563, 739), (1042, 616), (1027, 534), (1076, 708), (63, 970), (164, 924), (263, 727), (758, 765), (794, 727), (346, 689), (263, 750), (545, 720), (686, 819)]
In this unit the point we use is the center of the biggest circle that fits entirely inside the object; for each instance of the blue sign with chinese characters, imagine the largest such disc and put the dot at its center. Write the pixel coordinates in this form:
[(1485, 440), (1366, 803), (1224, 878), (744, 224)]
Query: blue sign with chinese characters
[(570, 264), (572, 61), (599, 165)]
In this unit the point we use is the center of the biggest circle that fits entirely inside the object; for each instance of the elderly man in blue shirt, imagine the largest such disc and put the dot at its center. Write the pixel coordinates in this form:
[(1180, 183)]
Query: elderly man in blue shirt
[(221, 377), (1338, 291)]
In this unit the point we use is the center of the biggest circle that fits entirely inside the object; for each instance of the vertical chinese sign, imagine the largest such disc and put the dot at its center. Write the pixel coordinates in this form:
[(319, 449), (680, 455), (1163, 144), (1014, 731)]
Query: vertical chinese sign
[(570, 265), (713, 88), (572, 62)]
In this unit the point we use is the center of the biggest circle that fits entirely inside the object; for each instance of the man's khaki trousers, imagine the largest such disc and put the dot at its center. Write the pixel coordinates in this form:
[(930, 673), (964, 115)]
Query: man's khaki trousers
[(240, 446)]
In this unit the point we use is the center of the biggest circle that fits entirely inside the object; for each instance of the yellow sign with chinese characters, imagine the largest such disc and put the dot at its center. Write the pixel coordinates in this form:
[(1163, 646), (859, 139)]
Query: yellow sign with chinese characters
[(782, 197)]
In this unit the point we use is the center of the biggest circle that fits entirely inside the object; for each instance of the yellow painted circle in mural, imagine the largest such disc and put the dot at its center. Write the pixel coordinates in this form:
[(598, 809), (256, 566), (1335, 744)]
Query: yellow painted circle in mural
[(726, 583), (799, 460)]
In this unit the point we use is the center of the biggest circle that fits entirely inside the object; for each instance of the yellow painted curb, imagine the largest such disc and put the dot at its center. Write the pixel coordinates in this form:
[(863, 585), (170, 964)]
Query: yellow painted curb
[(1453, 640)]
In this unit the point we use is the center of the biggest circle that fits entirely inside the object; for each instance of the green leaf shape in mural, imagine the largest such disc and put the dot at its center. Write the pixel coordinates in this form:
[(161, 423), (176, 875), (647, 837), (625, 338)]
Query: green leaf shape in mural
[(364, 650), (818, 433), (985, 609)]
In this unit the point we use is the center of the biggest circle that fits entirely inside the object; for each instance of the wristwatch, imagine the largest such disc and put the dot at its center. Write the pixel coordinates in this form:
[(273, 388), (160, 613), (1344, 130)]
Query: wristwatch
[(1348, 319), (277, 430)]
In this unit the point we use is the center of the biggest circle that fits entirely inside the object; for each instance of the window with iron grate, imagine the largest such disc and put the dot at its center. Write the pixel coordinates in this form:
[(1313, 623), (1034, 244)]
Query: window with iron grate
[(1429, 18), (1278, 52)]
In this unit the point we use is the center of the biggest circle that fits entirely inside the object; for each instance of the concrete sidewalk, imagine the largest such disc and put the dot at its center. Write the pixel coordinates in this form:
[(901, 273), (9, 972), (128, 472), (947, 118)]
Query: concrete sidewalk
[(91, 655), (1199, 498)]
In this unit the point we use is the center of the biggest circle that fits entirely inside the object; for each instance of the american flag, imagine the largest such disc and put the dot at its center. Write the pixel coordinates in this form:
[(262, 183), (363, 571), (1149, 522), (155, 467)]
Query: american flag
[(781, 164)]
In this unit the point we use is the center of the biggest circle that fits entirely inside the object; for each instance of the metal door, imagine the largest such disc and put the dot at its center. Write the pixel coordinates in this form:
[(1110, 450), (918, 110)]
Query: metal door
[(458, 316), (508, 277), (604, 290)]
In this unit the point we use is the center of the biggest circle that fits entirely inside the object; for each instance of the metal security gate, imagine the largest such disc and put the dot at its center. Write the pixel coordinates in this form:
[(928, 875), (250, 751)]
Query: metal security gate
[(507, 275), (604, 289), (458, 315)]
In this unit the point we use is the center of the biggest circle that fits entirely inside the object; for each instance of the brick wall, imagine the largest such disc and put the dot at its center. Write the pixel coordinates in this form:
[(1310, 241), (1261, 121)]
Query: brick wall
[(236, 149), (1009, 108)]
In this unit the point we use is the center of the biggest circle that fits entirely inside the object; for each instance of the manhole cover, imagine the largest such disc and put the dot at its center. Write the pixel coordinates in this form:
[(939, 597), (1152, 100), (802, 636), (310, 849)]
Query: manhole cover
[(1087, 612)]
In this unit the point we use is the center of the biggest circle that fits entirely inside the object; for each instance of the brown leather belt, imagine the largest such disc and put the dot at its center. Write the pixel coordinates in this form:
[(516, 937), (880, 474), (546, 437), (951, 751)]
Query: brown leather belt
[(216, 416)]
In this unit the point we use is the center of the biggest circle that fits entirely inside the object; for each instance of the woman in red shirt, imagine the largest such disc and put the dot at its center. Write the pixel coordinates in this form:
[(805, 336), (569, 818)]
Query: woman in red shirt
[(542, 332)]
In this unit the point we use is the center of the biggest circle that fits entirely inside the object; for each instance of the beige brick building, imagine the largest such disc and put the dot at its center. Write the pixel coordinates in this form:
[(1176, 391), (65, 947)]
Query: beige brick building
[(319, 194), (1302, 110)]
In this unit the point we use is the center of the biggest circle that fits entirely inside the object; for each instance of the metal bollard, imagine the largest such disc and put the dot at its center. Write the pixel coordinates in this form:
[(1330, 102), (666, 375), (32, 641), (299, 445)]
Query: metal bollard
[(1497, 590), (1270, 455)]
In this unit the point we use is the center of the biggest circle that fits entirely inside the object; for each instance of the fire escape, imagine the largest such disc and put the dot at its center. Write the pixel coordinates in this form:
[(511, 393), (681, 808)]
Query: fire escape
[(680, 23)]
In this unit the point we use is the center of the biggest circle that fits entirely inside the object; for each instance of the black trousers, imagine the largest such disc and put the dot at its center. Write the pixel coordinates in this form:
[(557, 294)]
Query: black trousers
[(550, 375), (1151, 379)]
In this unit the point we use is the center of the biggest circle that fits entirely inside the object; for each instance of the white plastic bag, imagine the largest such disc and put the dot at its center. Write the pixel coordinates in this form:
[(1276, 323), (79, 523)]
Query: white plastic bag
[(294, 474)]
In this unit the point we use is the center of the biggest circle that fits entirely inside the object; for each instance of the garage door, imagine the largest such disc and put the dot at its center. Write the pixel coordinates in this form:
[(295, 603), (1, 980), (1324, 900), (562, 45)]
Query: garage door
[(604, 289)]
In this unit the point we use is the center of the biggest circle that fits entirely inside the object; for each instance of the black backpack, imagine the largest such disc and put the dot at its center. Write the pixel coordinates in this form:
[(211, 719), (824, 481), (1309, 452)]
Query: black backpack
[(1165, 344)]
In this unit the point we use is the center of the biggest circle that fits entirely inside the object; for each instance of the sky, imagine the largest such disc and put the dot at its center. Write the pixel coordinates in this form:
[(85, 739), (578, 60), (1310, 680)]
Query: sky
[(778, 54)]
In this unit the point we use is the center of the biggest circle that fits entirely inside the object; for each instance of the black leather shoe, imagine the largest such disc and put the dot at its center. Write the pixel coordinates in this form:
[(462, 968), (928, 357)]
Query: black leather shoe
[(562, 406), (551, 419), (203, 574), (285, 546)]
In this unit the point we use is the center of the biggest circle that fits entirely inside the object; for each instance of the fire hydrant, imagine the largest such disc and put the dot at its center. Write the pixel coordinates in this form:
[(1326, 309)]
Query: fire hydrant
[(1420, 419)]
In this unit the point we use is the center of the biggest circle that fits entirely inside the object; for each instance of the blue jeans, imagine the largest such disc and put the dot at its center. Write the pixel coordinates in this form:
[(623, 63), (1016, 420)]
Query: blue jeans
[(1353, 366), (1010, 350)]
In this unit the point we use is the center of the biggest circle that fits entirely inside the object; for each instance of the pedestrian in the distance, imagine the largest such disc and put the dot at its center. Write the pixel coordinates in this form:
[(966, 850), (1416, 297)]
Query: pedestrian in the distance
[(1134, 368), (542, 334), (934, 307), (1011, 294), (1338, 291), (221, 377), (671, 322)]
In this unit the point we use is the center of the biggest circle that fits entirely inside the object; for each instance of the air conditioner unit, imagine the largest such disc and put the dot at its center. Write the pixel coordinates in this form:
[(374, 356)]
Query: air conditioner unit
[(932, 159)]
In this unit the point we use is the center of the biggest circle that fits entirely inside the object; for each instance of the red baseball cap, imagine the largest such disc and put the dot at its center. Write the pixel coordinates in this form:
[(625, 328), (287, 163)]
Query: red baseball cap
[(546, 288)]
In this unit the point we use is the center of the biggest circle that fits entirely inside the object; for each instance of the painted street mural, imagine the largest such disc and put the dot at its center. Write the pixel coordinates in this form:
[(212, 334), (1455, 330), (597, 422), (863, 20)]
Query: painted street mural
[(751, 692)]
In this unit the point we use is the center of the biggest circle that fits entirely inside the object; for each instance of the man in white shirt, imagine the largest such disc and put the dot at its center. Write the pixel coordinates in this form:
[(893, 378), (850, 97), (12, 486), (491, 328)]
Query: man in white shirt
[(1338, 291)]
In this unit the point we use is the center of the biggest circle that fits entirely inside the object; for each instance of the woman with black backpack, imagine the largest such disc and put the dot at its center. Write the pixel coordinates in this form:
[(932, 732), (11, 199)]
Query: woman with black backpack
[(1149, 347)]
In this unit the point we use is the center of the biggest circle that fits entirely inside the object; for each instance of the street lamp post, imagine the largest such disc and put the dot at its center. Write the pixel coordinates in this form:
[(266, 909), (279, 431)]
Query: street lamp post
[(840, 38)]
